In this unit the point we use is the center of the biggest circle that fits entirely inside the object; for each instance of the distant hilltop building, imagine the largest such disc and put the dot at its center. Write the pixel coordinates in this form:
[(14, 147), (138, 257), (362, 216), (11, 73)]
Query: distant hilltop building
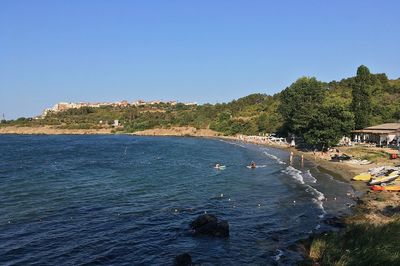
[(63, 106)]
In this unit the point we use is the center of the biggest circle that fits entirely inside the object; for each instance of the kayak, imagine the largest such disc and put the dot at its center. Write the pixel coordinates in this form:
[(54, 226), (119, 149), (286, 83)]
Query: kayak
[(362, 177), (383, 179), (382, 170), (387, 188)]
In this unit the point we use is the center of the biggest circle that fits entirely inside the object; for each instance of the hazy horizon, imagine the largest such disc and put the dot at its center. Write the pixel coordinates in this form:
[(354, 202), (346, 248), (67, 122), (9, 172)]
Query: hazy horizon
[(206, 51)]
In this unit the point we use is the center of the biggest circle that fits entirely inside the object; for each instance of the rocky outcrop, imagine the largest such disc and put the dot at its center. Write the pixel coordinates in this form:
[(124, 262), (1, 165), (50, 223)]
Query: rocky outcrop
[(208, 224)]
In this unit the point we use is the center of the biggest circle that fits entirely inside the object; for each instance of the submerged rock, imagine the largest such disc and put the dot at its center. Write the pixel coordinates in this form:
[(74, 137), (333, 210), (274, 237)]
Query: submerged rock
[(208, 224), (183, 260)]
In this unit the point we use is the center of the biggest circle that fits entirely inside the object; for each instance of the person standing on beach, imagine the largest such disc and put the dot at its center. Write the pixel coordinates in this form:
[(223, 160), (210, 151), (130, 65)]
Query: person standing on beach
[(302, 160)]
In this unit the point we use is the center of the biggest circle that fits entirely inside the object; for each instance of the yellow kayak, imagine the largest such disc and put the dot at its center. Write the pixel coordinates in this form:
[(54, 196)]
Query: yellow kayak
[(362, 177)]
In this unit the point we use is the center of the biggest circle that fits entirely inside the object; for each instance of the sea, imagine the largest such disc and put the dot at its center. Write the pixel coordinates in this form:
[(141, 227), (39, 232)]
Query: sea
[(129, 200)]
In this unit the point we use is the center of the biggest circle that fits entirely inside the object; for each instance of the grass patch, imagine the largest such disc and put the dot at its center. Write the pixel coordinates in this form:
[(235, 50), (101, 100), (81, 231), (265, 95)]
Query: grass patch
[(367, 154), (358, 244)]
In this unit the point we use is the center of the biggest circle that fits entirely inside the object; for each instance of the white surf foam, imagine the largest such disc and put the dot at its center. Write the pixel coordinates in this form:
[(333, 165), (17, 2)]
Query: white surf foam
[(319, 197), (274, 157), (294, 173), (233, 143), (278, 255), (316, 193), (309, 177)]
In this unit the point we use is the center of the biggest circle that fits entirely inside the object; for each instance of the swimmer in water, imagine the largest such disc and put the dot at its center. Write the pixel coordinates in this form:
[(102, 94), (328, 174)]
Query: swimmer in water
[(219, 166), (252, 165)]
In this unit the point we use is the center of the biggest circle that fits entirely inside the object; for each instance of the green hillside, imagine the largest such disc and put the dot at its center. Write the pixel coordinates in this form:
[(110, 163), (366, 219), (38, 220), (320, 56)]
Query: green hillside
[(319, 112)]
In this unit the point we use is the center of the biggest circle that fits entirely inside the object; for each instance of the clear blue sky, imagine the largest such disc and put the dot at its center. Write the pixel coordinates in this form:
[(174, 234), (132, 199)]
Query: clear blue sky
[(204, 51)]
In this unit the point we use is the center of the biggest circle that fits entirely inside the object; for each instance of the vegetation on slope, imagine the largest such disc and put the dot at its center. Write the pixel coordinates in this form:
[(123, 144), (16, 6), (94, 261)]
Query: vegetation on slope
[(371, 236), (317, 112)]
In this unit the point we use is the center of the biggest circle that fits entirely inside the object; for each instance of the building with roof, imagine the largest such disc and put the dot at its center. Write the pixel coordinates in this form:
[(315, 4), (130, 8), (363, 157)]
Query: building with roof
[(380, 134)]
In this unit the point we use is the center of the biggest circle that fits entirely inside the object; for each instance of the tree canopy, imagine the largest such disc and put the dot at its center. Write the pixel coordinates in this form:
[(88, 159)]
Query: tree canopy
[(318, 112)]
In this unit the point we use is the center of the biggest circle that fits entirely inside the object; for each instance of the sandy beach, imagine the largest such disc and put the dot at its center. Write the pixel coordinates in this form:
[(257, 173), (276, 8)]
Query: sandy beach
[(53, 130), (178, 131), (50, 130)]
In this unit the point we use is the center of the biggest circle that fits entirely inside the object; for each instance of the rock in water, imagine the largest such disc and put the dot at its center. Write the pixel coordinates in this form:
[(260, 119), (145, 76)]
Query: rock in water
[(208, 224), (183, 260), (203, 220)]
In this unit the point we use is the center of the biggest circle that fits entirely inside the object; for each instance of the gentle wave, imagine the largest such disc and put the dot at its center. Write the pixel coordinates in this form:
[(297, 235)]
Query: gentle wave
[(310, 177), (294, 173), (233, 143), (319, 197), (274, 157)]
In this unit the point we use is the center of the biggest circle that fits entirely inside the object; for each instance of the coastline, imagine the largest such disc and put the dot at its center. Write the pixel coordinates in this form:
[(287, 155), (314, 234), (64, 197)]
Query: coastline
[(368, 210), (339, 170), (209, 199), (49, 130), (373, 223)]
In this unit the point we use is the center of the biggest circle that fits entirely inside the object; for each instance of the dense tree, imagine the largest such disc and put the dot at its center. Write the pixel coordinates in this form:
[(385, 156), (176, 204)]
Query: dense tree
[(262, 122), (300, 104), (361, 97), (329, 125)]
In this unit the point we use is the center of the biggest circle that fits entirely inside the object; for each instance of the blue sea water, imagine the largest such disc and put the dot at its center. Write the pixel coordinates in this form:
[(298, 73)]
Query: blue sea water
[(124, 200)]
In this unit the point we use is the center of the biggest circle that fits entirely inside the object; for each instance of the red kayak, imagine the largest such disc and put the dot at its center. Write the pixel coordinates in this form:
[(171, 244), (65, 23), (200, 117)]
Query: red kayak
[(387, 188)]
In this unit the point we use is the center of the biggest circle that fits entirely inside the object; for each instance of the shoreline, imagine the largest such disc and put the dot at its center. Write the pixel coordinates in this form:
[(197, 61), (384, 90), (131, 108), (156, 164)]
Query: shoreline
[(372, 215), (367, 210), (51, 130), (339, 170)]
